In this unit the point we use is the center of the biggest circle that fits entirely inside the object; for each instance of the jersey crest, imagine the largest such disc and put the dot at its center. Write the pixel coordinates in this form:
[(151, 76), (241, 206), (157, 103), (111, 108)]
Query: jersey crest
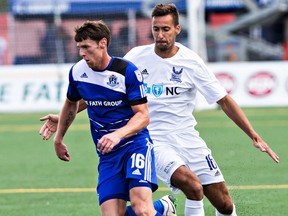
[(176, 75), (157, 90), (113, 81)]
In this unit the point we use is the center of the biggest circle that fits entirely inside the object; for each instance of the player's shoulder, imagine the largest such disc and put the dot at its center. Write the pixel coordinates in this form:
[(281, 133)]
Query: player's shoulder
[(121, 65), (79, 66), (186, 50), (140, 50), (187, 53), (124, 63)]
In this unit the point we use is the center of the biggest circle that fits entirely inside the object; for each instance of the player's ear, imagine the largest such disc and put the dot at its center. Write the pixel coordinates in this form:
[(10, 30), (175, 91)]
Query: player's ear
[(178, 29), (103, 43)]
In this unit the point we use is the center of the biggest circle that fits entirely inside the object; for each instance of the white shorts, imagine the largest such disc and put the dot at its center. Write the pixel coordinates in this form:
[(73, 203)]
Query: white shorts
[(175, 150)]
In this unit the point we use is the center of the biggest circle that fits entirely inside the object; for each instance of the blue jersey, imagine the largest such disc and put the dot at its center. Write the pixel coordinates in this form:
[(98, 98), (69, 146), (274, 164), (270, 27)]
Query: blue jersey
[(109, 95)]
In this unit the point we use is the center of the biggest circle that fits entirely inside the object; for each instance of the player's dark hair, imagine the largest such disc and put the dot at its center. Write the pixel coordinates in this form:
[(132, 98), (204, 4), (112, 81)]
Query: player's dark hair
[(166, 9), (94, 30)]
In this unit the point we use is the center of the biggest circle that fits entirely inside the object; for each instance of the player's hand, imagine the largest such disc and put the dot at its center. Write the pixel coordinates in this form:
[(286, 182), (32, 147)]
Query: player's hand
[(262, 146), (49, 127), (107, 143), (61, 151)]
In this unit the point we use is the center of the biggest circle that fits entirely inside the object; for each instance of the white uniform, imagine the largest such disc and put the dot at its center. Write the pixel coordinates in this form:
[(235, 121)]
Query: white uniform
[(171, 85)]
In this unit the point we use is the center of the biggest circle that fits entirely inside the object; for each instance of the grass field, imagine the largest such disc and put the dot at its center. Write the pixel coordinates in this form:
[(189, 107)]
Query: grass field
[(34, 182)]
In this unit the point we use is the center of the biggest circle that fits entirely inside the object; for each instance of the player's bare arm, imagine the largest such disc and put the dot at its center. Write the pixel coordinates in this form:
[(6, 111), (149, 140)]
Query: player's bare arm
[(138, 122), (50, 126), (234, 112), (81, 106), (66, 118)]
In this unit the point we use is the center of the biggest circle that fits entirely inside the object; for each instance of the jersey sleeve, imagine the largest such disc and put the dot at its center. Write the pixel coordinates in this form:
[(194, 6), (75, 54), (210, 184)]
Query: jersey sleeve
[(134, 86), (207, 83), (72, 92)]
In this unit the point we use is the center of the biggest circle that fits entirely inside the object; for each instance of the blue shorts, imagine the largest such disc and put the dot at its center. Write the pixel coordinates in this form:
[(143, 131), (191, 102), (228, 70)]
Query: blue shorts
[(118, 170)]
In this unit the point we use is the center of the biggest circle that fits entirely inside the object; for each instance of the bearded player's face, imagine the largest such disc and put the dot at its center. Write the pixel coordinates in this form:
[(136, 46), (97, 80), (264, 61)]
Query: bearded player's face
[(164, 32)]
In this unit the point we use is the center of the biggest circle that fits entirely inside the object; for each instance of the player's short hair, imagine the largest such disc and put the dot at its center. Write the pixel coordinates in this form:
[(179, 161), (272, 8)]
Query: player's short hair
[(166, 9), (94, 30)]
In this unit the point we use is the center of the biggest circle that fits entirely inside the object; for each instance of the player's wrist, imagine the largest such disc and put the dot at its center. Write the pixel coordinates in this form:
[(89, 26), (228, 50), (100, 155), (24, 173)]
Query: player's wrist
[(58, 141)]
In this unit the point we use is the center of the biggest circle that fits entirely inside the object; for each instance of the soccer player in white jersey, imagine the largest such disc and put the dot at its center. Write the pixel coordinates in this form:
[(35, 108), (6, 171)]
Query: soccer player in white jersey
[(172, 75), (113, 91)]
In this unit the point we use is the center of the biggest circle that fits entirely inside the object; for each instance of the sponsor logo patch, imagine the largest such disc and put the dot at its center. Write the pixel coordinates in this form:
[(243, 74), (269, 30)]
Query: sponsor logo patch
[(157, 90), (139, 76)]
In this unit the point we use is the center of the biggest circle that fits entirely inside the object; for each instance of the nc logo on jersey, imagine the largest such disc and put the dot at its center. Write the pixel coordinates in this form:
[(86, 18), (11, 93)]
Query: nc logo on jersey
[(157, 90), (113, 81), (176, 75)]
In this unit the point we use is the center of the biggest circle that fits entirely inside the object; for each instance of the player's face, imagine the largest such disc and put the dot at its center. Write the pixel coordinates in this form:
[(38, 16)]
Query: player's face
[(164, 33), (91, 52)]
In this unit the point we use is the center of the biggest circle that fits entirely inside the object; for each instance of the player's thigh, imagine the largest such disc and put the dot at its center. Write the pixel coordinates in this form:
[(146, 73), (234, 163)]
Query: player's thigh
[(113, 207), (168, 160), (188, 182), (183, 177), (202, 163), (218, 194), (141, 197), (112, 182), (141, 165)]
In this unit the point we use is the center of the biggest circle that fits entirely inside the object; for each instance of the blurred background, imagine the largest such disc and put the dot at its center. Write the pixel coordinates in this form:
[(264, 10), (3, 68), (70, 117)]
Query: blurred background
[(244, 42), (33, 32)]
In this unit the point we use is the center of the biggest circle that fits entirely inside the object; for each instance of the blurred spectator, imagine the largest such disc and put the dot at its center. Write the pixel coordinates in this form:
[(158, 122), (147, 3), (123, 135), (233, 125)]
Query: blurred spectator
[(119, 43), (54, 45), (3, 48)]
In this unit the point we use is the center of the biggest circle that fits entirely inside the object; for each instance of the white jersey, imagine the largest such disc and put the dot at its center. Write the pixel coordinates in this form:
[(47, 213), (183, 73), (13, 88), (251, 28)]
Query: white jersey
[(171, 85)]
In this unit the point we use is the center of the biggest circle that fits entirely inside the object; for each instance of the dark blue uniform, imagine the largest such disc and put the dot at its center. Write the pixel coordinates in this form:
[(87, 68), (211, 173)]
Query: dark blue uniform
[(109, 95)]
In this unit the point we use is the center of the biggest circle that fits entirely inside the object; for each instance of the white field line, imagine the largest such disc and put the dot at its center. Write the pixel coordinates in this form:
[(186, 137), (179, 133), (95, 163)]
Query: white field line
[(72, 190)]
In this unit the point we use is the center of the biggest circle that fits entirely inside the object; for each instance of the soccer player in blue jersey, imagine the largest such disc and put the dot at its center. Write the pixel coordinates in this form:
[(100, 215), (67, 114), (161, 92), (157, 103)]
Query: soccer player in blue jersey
[(114, 94)]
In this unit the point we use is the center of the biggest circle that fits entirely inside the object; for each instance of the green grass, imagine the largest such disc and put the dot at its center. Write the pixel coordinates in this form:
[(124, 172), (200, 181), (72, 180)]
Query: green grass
[(34, 182)]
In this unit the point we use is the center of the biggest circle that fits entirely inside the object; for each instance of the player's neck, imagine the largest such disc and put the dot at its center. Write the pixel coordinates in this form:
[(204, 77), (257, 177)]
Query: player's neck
[(103, 64), (167, 53)]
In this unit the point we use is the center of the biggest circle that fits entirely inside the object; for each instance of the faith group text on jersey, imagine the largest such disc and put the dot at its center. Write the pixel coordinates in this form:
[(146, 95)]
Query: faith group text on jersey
[(103, 103)]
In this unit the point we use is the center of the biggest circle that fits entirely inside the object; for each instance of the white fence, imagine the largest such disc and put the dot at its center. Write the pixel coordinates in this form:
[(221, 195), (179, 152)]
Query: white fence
[(38, 88)]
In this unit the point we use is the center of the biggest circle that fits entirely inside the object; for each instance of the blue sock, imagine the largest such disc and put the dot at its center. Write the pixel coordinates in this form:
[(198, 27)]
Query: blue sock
[(157, 205), (129, 211)]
